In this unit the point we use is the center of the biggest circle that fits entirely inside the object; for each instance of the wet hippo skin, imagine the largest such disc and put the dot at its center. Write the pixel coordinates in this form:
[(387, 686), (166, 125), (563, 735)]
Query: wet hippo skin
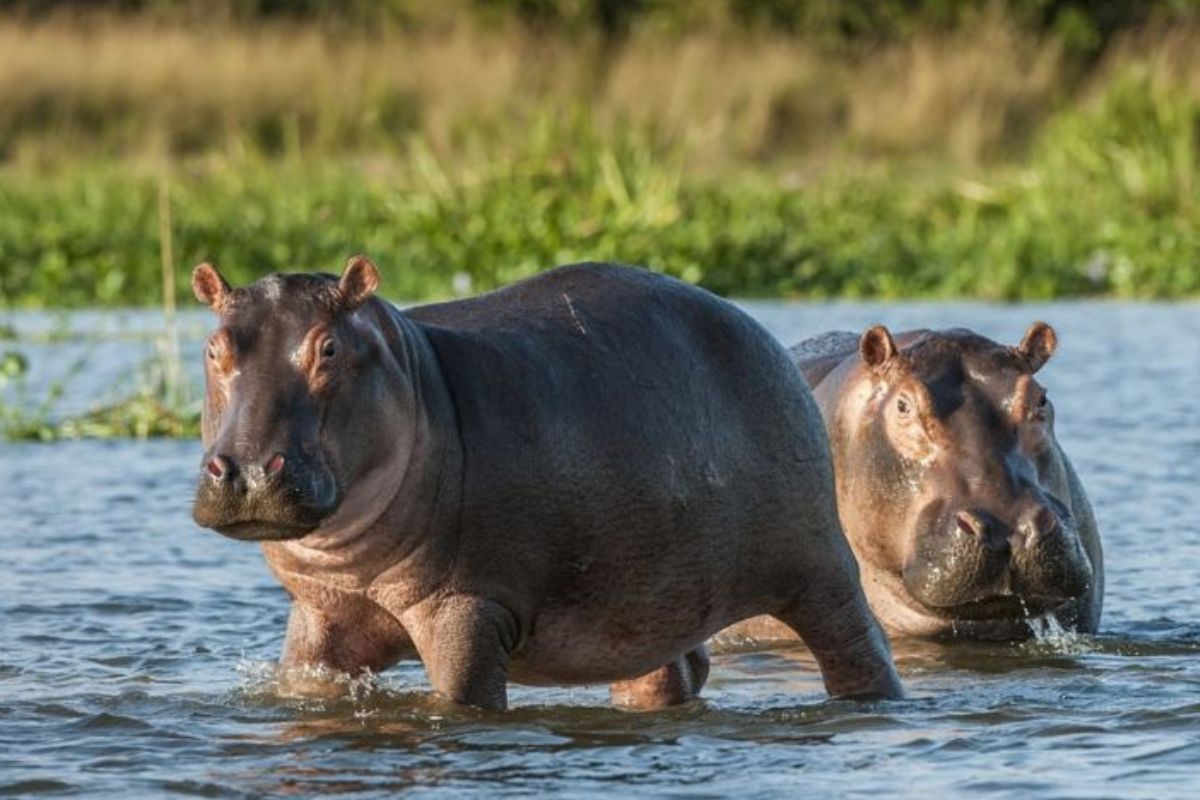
[(576, 479), (964, 512)]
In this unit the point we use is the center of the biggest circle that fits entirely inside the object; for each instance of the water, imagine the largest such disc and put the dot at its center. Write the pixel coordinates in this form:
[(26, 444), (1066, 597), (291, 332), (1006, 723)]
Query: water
[(135, 649)]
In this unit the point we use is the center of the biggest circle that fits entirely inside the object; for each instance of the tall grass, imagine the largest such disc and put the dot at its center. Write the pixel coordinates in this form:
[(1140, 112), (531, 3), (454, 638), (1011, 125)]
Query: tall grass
[(979, 161), (1105, 205), (130, 86)]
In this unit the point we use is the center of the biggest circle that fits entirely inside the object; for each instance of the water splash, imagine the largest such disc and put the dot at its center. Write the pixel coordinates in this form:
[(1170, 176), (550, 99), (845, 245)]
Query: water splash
[(267, 679), (1049, 635)]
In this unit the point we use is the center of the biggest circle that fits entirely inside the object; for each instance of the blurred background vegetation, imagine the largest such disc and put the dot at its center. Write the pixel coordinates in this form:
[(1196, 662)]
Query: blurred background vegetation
[(811, 148)]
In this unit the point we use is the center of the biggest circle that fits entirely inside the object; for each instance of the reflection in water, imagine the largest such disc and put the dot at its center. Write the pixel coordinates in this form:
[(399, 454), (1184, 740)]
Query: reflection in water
[(137, 650)]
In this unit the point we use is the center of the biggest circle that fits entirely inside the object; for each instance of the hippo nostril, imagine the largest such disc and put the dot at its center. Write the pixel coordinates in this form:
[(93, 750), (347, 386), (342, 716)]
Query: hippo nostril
[(275, 464), (1039, 524), (220, 467), (1045, 521), (971, 525)]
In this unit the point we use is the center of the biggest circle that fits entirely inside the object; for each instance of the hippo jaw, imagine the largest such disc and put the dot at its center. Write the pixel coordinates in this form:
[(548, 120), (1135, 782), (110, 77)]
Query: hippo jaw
[(255, 531), (1000, 606), (264, 529)]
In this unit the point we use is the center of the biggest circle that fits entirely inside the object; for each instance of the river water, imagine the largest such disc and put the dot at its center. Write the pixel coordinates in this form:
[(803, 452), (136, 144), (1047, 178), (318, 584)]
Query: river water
[(136, 649)]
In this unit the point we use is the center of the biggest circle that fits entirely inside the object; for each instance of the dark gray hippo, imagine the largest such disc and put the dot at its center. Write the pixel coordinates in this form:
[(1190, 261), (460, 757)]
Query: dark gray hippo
[(965, 515), (575, 479)]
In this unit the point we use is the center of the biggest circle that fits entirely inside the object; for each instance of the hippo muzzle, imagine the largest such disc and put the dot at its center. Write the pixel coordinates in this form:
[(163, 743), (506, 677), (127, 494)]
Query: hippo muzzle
[(265, 499), (972, 565)]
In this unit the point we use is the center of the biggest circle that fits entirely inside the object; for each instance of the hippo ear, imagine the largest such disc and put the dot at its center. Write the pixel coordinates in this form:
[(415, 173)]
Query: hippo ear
[(359, 281), (210, 287), (1038, 345), (877, 346)]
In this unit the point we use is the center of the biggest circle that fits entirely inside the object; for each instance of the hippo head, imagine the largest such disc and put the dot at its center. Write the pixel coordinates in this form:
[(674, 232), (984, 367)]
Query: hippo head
[(296, 401), (952, 470)]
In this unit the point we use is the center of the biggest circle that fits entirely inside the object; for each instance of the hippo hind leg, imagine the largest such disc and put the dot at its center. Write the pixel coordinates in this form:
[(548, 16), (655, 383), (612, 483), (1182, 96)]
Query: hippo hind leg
[(850, 647), (670, 685)]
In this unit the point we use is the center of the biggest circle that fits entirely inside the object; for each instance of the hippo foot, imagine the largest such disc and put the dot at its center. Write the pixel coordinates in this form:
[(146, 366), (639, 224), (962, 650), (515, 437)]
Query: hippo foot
[(670, 685)]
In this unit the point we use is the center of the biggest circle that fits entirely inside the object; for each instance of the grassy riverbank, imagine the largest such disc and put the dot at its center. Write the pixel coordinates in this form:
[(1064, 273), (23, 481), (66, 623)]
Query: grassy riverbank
[(981, 162), (1106, 204)]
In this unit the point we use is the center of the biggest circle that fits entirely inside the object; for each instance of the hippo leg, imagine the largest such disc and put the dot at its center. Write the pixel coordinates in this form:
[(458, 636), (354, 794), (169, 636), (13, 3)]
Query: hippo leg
[(465, 645), (848, 643), (352, 637), (670, 685)]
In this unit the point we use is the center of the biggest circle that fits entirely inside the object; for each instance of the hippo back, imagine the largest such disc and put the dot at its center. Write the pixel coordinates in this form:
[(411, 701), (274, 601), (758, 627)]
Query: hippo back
[(818, 356)]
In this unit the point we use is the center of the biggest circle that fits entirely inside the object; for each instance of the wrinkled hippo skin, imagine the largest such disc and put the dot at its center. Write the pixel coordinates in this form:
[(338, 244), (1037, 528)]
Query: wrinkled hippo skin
[(965, 515), (575, 479)]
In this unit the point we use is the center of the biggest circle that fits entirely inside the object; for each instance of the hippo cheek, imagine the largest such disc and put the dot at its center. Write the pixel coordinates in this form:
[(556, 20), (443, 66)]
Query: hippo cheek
[(309, 487)]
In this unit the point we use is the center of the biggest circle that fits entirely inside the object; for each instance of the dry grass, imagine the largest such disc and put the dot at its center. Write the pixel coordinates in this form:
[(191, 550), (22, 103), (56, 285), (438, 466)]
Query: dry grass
[(1169, 55), (964, 95), (127, 86)]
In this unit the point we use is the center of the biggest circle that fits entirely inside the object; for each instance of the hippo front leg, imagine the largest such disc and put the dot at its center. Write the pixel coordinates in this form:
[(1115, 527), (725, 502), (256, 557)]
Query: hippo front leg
[(465, 643), (670, 685), (351, 638)]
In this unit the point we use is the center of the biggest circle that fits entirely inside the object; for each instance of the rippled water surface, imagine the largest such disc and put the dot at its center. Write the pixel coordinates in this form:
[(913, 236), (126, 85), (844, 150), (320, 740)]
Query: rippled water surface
[(135, 648)]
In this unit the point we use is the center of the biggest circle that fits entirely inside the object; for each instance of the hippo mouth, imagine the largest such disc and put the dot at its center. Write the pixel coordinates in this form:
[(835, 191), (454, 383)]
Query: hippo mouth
[(264, 531), (1000, 606), (270, 518)]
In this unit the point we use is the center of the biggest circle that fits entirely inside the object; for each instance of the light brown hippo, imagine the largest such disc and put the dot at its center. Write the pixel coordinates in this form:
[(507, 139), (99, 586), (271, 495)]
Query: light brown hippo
[(964, 513), (576, 479)]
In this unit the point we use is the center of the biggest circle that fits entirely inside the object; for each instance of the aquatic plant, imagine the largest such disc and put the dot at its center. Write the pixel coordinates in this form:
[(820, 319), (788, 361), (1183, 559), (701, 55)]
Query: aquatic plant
[(154, 408), (162, 403)]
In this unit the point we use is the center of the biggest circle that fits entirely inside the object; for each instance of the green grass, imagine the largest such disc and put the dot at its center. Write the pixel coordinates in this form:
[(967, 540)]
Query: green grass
[(1106, 204)]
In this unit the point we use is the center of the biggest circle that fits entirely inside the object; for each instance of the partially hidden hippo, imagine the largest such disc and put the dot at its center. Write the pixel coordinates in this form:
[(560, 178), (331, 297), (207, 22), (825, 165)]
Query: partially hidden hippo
[(576, 479), (966, 516)]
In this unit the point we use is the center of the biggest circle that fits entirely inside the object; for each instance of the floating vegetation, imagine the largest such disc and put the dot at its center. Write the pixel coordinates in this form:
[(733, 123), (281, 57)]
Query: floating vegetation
[(156, 408)]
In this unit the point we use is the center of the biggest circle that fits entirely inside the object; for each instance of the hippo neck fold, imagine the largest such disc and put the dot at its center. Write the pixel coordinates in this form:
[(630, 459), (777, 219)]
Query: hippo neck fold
[(389, 514)]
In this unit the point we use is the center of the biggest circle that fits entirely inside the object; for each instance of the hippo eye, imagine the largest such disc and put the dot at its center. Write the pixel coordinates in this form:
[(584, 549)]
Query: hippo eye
[(903, 406), (328, 349), (1043, 408)]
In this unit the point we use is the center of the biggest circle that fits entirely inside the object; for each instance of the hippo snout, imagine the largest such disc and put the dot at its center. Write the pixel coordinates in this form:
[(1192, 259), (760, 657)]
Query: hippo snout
[(280, 496), (971, 562)]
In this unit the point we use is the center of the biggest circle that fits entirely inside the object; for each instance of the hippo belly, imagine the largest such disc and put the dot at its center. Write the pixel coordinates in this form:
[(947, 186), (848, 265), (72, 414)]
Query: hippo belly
[(576, 646)]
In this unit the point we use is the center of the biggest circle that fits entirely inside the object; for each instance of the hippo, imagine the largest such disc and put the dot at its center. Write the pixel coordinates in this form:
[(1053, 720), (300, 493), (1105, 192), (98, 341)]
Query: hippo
[(576, 479), (965, 514)]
